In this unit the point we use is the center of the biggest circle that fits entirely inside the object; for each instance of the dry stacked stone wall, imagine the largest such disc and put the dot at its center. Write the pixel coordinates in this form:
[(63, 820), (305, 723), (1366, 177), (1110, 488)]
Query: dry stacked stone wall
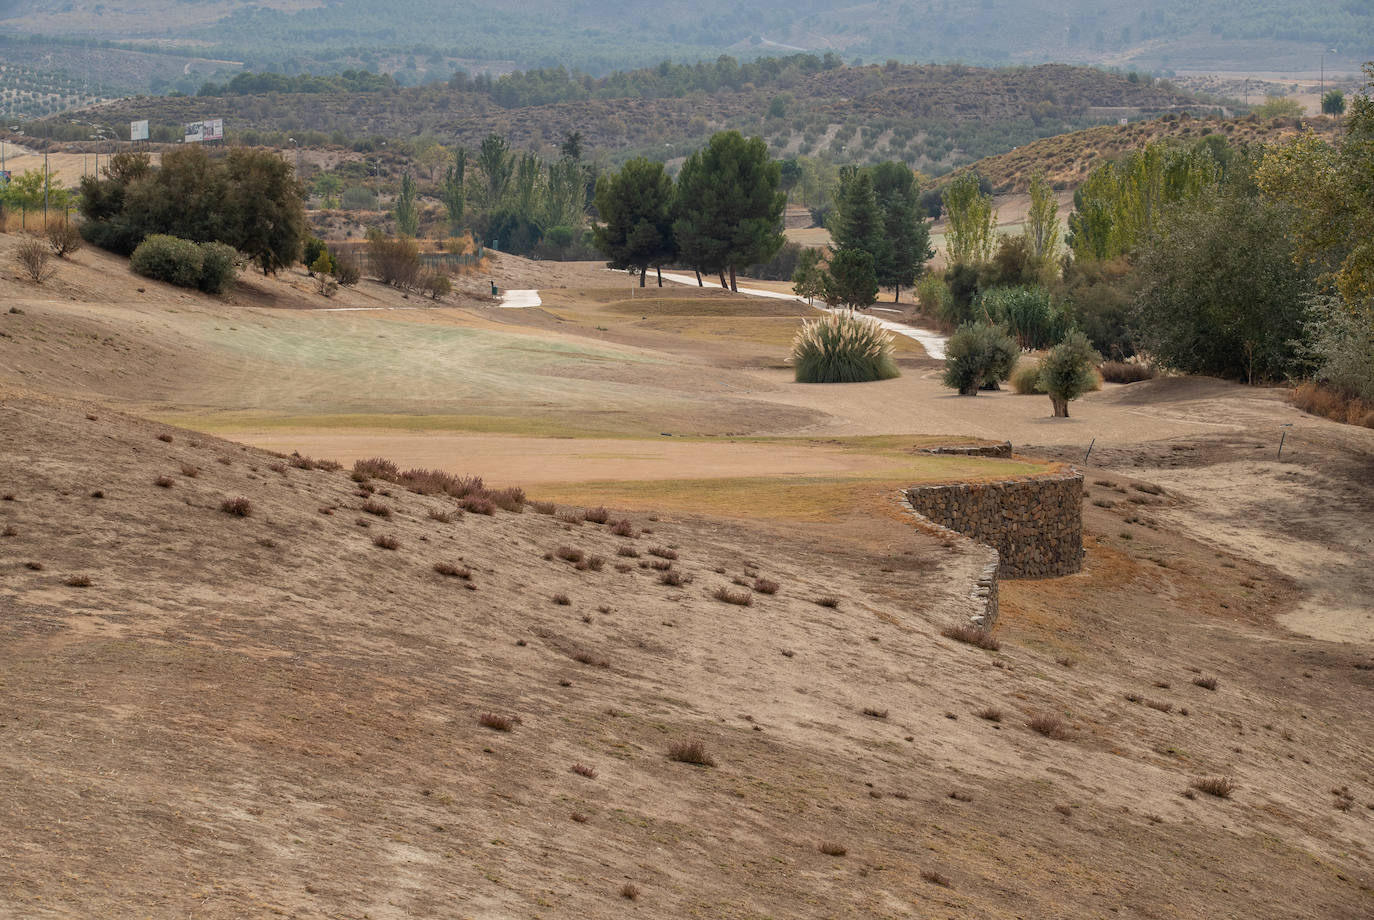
[(1035, 524)]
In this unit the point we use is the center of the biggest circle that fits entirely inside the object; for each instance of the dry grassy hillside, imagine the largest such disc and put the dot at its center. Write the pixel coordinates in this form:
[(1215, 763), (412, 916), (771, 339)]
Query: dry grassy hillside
[(1067, 159), (238, 686)]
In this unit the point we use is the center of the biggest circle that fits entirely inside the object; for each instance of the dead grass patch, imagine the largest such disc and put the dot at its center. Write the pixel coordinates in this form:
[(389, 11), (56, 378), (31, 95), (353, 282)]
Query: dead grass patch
[(238, 507), (164, 482), (831, 848), (766, 586), (673, 578), (990, 713), (596, 515), (1049, 725), (561, 599), (873, 713), (972, 635), (936, 878), (692, 751), (1219, 786), (77, 581), (375, 507), (450, 570), (582, 769), (1206, 683), (662, 552), (738, 598), (497, 722), (828, 600), (628, 552)]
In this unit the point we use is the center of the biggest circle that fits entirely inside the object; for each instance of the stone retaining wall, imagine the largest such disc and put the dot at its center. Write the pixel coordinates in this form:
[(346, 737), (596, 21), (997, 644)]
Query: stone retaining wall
[(975, 450), (984, 594), (1035, 524)]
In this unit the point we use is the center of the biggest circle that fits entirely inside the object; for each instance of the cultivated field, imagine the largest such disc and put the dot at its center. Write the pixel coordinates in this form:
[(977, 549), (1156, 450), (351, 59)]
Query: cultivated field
[(352, 700)]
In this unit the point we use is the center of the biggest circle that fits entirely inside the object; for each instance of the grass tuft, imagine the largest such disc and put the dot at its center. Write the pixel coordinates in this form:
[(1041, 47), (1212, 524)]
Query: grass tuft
[(971, 635), (691, 751), (1206, 683), (238, 507), (831, 848), (875, 713), (1219, 786), (582, 769), (449, 570), (843, 348), (164, 482), (1049, 725), (629, 891), (386, 541), (828, 600), (498, 723), (738, 598)]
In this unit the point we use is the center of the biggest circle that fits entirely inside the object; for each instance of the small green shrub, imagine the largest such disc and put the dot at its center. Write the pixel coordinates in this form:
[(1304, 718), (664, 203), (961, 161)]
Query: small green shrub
[(978, 355), (843, 348), (219, 268), (212, 267), (170, 259), (1026, 379)]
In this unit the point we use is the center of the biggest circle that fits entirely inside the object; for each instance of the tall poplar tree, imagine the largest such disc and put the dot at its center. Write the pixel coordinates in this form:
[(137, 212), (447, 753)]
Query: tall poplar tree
[(972, 221)]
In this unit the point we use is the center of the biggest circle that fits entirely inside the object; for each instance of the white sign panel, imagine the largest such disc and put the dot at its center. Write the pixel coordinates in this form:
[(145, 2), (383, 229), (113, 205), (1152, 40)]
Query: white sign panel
[(211, 130), (138, 130)]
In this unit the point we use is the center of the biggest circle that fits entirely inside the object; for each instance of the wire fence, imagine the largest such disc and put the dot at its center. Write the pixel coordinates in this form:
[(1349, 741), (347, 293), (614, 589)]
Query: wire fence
[(448, 262)]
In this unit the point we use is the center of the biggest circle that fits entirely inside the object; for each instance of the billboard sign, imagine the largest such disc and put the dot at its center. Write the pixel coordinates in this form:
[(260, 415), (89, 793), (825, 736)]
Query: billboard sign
[(198, 131), (4, 177), (138, 130)]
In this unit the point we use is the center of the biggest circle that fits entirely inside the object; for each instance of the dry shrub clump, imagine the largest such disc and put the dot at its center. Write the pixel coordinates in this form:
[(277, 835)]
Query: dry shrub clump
[(623, 528), (1206, 683), (990, 713), (498, 723), (1049, 725), (64, 239), (467, 489), (77, 581), (569, 554), (386, 541), (936, 878), (1219, 786), (450, 570), (738, 598), (831, 848), (582, 769), (673, 578), (596, 515), (477, 504), (1125, 371), (828, 600), (629, 891), (766, 586), (875, 713), (691, 751), (543, 507), (238, 507), (164, 482), (561, 599), (628, 551), (662, 552), (971, 635), (189, 471), (301, 462), (445, 516), (34, 260), (1315, 399), (372, 506)]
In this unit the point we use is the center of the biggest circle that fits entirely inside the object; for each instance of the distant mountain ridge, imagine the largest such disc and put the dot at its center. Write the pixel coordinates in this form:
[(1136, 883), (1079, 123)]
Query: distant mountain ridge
[(599, 35)]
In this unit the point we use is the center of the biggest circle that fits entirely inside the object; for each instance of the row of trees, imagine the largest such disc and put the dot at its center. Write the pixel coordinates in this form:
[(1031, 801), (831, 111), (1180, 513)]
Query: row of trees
[(722, 214)]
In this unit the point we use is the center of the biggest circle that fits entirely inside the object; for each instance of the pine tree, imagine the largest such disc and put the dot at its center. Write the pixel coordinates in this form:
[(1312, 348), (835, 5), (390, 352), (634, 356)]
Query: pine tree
[(906, 232), (729, 205), (636, 228)]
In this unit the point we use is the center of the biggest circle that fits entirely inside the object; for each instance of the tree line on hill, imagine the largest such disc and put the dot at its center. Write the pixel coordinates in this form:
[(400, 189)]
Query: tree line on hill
[(1246, 262)]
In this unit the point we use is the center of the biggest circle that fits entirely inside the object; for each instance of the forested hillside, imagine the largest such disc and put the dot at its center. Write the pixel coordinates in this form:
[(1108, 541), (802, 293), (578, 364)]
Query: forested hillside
[(600, 36), (932, 117)]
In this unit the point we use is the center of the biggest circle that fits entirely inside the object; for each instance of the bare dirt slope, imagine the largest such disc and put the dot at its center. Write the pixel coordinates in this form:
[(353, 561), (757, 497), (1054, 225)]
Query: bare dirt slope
[(277, 715), (274, 715)]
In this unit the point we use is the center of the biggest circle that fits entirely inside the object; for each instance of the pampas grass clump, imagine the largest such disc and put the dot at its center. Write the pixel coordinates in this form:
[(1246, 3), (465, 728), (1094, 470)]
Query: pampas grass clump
[(843, 348)]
